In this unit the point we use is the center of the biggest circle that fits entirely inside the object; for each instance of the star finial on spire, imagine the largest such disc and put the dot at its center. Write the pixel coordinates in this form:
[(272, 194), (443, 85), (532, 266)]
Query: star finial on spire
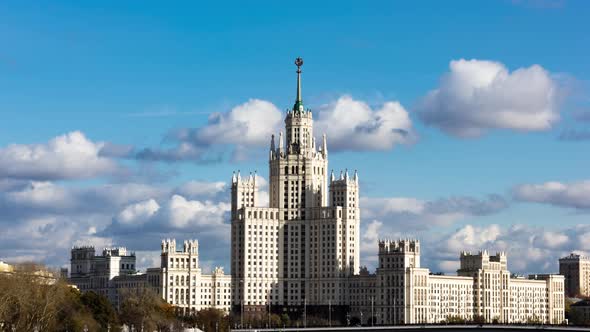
[(299, 63)]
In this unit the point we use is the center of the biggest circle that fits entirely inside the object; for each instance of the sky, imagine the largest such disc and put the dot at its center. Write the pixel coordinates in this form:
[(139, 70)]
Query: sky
[(468, 122)]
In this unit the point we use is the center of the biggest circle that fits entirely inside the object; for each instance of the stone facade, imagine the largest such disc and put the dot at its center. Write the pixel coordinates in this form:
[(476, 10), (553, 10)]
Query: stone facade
[(178, 280), (302, 249), (483, 290), (91, 272), (576, 270), (183, 285)]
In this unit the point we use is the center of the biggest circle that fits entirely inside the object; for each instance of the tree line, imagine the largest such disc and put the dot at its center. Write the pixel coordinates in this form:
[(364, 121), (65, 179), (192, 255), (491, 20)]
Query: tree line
[(30, 301)]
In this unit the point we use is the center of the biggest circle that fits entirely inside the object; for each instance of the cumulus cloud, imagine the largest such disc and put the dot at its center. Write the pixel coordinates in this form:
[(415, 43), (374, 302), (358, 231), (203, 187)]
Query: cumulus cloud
[(250, 123), (173, 213), (418, 214), (181, 213), (147, 259), (203, 189), (112, 150), (397, 217), (36, 198), (353, 125), (529, 249), (43, 219), (246, 125), (573, 195), (349, 124), (142, 225), (69, 156), (476, 96), (138, 212)]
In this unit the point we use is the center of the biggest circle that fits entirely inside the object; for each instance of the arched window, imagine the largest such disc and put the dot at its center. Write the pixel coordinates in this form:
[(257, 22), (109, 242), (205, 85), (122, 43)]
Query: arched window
[(286, 170)]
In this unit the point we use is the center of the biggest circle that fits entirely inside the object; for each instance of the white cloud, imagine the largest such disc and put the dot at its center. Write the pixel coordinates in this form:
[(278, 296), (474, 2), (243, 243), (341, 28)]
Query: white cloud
[(552, 240), (529, 249), (573, 195), (416, 214), (181, 213), (173, 213), (250, 123), (470, 237), (353, 125), (39, 198), (477, 96), (147, 259), (42, 194), (202, 189), (42, 220), (246, 125), (349, 124), (402, 217), (69, 156), (138, 212)]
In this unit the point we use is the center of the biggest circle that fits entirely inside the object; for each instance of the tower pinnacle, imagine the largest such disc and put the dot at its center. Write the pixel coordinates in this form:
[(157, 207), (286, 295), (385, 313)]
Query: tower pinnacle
[(298, 101)]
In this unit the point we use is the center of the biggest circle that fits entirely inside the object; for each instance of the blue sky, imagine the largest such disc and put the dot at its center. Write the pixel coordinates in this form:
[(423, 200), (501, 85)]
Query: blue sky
[(134, 74)]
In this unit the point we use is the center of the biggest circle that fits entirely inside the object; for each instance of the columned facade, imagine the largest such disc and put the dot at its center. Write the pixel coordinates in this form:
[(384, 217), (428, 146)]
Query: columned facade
[(301, 249)]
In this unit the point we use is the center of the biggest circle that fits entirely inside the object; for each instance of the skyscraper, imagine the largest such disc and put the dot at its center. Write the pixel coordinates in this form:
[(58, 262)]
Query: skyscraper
[(302, 247)]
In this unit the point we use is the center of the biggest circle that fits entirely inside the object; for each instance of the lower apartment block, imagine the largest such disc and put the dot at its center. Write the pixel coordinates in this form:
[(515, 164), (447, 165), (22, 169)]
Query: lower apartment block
[(178, 280), (399, 292), (483, 290)]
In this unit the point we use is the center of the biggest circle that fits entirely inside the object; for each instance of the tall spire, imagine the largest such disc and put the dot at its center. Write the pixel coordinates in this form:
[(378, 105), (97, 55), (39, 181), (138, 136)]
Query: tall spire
[(298, 101)]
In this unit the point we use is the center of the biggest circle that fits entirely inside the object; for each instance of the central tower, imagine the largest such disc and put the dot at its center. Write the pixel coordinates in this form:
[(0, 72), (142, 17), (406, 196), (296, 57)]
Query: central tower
[(298, 170), (303, 247)]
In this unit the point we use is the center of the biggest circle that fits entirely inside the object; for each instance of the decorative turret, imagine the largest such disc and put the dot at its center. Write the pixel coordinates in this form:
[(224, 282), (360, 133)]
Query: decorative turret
[(406, 252), (344, 190), (482, 261), (244, 192), (168, 245), (191, 246), (272, 151)]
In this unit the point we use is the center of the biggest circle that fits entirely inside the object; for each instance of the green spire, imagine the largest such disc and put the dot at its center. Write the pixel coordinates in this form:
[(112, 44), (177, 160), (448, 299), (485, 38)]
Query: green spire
[(298, 101)]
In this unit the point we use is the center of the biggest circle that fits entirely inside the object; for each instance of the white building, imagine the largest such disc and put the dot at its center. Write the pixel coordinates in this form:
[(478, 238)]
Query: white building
[(90, 272), (178, 279), (576, 270), (183, 285), (482, 290), (302, 252), (302, 249)]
